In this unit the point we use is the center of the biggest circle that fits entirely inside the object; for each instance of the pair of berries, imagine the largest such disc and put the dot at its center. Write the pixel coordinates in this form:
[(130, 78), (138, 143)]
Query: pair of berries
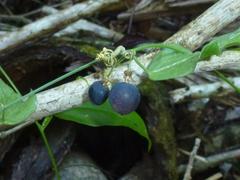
[(123, 97)]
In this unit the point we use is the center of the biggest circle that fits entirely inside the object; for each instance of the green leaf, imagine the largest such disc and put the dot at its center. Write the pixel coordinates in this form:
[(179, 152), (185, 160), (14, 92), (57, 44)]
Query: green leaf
[(17, 112), (95, 116), (218, 44), (172, 65), (164, 53), (210, 49)]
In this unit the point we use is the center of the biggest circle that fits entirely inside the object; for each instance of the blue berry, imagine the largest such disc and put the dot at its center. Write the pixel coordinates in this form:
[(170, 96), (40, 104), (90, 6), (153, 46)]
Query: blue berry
[(124, 98), (98, 93)]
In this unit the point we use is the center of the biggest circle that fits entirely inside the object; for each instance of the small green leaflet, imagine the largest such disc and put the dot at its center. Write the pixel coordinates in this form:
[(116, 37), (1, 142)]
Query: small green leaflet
[(228, 81), (210, 49), (172, 65), (95, 116), (171, 62), (218, 44), (17, 112)]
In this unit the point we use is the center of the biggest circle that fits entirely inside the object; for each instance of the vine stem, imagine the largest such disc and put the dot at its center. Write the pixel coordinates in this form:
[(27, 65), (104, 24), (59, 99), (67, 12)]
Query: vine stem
[(141, 65), (221, 76), (49, 150), (9, 80)]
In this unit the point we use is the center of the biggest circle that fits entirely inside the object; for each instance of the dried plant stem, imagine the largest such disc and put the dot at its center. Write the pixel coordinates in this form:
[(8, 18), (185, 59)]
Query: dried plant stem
[(187, 175), (212, 161), (203, 90)]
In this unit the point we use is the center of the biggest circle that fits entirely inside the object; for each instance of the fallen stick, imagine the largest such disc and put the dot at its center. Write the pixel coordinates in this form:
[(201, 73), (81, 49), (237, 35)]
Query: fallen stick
[(212, 161), (187, 175), (208, 24), (200, 158), (75, 93), (84, 25), (50, 24), (188, 3), (227, 60), (202, 90), (215, 176)]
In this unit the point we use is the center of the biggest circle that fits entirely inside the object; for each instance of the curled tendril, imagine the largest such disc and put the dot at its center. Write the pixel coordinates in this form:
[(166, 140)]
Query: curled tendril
[(106, 56), (112, 58)]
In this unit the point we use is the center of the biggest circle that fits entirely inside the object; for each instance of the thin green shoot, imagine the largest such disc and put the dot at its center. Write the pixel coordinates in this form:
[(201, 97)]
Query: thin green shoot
[(224, 78), (140, 64), (49, 150), (10, 81)]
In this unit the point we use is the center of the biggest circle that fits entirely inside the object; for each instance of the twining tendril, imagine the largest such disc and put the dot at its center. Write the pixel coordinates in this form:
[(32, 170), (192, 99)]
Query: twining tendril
[(113, 58), (106, 56)]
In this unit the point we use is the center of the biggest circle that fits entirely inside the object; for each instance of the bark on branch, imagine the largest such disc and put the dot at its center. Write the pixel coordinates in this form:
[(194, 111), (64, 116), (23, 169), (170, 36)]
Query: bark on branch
[(208, 24)]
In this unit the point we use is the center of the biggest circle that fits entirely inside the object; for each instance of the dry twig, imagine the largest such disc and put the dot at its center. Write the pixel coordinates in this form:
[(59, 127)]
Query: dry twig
[(202, 90), (200, 158), (215, 176), (212, 161), (187, 175), (207, 24), (84, 25)]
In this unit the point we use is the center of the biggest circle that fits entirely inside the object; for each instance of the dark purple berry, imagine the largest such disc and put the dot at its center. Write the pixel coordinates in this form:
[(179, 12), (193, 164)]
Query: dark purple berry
[(124, 97), (98, 93)]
